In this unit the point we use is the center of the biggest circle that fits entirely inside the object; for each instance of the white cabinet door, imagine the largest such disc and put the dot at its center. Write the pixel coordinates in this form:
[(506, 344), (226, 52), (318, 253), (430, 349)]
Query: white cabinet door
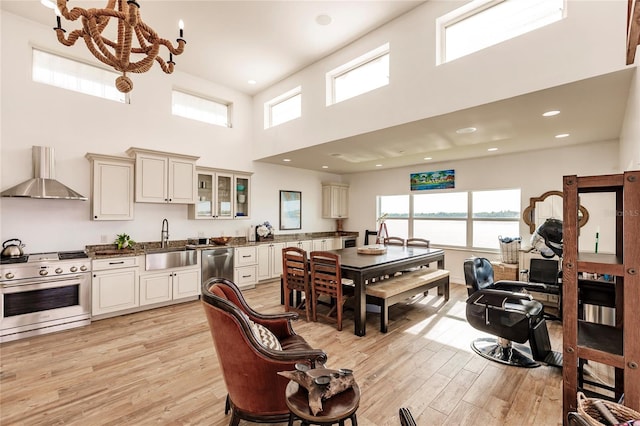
[(270, 260), (163, 177), (341, 193), (182, 188), (335, 201), (319, 245), (242, 199), (114, 290), (112, 186), (186, 283), (224, 194), (276, 260), (155, 288), (264, 261), (151, 178)]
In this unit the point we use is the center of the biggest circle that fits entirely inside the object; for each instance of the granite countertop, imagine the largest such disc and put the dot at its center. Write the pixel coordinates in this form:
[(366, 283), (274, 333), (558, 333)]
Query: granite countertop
[(105, 251)]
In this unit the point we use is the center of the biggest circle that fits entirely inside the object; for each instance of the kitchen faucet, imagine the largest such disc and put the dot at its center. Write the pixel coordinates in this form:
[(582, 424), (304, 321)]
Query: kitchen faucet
[(164, 234)]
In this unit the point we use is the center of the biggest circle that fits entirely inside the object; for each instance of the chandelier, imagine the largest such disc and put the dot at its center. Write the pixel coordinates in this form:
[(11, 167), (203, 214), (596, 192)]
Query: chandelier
[(120, 54)]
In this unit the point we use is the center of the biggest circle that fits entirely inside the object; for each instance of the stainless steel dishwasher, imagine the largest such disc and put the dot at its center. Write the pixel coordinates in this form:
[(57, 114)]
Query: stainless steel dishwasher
[(217, 262)]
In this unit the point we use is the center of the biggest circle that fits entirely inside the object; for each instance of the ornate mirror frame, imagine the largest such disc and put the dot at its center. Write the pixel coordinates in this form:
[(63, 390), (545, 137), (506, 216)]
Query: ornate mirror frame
[(529, 213)]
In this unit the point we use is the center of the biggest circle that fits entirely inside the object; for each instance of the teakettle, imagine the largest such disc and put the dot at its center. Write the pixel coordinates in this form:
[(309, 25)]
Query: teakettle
[(12, 250)]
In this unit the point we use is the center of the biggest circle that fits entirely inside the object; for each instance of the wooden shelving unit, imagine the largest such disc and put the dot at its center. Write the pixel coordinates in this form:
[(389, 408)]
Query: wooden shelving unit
[(619, 345)]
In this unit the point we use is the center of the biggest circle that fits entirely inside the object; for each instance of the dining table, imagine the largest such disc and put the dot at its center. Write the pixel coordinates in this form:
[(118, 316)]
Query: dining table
[(363, 268)]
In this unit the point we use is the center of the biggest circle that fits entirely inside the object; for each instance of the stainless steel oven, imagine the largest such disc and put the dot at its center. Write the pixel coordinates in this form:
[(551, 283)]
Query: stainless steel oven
[(43, 293)]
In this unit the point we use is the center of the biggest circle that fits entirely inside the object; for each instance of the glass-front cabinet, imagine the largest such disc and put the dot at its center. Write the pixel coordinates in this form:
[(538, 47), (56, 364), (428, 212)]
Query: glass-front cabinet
[(221, 195), (242, 195)]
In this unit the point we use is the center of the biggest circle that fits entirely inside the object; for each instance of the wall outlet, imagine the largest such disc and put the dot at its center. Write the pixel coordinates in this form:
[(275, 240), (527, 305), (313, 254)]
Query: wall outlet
[(104, 239), (200, 234)]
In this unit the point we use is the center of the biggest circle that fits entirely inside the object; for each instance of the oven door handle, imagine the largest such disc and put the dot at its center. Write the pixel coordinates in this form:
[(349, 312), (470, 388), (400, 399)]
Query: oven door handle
[(30, 285)]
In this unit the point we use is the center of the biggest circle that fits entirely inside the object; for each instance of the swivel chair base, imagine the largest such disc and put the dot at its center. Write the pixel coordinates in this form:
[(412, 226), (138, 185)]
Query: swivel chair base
[(504, 352)]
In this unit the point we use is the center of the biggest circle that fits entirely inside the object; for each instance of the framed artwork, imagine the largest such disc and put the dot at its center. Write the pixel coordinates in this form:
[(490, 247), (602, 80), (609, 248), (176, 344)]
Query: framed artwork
[(442, 179), (290, 210)]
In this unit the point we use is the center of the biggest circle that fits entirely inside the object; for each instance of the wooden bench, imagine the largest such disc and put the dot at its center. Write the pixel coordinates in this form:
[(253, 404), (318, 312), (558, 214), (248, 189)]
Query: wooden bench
[(401, 287)]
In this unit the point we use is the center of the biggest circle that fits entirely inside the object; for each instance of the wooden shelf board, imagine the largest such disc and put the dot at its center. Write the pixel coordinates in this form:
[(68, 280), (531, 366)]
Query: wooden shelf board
[(600, 343)]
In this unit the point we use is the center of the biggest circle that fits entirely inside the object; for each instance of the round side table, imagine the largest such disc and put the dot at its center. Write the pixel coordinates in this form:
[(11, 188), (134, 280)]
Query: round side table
[(336, 409)]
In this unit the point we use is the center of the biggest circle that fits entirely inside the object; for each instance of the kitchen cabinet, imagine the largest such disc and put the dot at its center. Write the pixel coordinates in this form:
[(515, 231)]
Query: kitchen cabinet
[(221, 194), (167, 285), (242, 199), (245, 262), (335, 200), (269, 260), (306, 245), (162, 177), (112, 187), (114, 285), (324, 244)]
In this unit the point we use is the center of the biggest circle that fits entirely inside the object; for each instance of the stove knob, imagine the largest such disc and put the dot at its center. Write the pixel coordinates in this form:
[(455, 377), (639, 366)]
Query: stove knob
[(58, 270), (74, 269), (9, 275), (83, 268), (44, 272)]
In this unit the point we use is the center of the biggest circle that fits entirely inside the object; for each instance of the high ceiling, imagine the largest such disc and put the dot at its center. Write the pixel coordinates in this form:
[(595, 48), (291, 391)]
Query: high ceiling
[(267, 41)]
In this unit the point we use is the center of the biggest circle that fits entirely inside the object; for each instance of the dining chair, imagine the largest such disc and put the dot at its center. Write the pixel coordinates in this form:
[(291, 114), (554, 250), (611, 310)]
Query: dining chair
[(394, 241), (295, 278), (326, 279), (418, 242)]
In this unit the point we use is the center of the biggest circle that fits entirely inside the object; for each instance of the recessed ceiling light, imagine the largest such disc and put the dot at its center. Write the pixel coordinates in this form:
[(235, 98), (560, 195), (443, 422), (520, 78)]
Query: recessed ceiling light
[(286, 160), (551, 113), (465, 130), (378, 165), (492, 149), (252, 82), (325, 167), (562, 135), (427, 158), (323, 20)]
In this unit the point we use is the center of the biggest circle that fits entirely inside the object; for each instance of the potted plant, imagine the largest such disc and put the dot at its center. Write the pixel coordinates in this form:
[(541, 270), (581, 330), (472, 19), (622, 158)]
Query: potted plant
[(124, 241)]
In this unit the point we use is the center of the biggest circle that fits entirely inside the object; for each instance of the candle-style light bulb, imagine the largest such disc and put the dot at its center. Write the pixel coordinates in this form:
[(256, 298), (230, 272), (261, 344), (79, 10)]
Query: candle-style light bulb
[(57, 11), (181, 26)]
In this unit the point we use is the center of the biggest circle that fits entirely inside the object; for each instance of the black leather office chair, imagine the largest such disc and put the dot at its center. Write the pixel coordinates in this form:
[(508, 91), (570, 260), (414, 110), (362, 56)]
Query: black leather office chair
[(503, 310)]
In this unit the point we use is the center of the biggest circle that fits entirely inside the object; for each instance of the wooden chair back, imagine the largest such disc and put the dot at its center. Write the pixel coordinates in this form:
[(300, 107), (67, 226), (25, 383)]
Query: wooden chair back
[(418, 242), (326, 279), (393, 241), (295, 278)]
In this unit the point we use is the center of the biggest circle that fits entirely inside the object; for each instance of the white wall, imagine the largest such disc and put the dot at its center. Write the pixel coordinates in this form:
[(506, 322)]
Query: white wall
[(562, 52), (533, 172), (74, 124), (630, 135)]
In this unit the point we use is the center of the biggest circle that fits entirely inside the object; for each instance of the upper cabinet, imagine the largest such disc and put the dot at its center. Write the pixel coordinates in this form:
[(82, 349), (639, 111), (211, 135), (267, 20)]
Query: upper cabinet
[(242, 197), (163, 177), (111, 187), (222, 194), (335, 200)]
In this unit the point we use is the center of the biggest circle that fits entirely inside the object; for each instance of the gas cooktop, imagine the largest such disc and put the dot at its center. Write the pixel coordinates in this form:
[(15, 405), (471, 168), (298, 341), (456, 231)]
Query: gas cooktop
[(45, 257)]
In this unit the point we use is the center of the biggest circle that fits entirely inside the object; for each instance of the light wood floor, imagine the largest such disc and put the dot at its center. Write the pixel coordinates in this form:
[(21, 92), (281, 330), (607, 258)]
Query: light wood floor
[(160, 367)]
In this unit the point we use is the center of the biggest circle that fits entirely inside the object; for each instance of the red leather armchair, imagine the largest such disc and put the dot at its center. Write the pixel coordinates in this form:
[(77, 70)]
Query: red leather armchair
[(255, 391)]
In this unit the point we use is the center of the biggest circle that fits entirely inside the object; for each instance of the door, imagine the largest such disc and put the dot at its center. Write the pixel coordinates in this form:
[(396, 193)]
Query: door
[(186, 284), (155, 288)]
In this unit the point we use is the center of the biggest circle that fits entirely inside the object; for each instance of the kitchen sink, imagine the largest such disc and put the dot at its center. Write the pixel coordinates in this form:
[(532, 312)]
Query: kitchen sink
[(158, 259)]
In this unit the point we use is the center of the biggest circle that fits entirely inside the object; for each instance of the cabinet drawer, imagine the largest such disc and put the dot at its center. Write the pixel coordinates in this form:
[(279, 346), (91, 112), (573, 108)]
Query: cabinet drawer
[(114, 263), (246, 276), (245, 256)]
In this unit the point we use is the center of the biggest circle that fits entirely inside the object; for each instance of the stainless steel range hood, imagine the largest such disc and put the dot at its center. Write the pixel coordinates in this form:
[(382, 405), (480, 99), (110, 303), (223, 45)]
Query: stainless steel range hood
[(43, 184)]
